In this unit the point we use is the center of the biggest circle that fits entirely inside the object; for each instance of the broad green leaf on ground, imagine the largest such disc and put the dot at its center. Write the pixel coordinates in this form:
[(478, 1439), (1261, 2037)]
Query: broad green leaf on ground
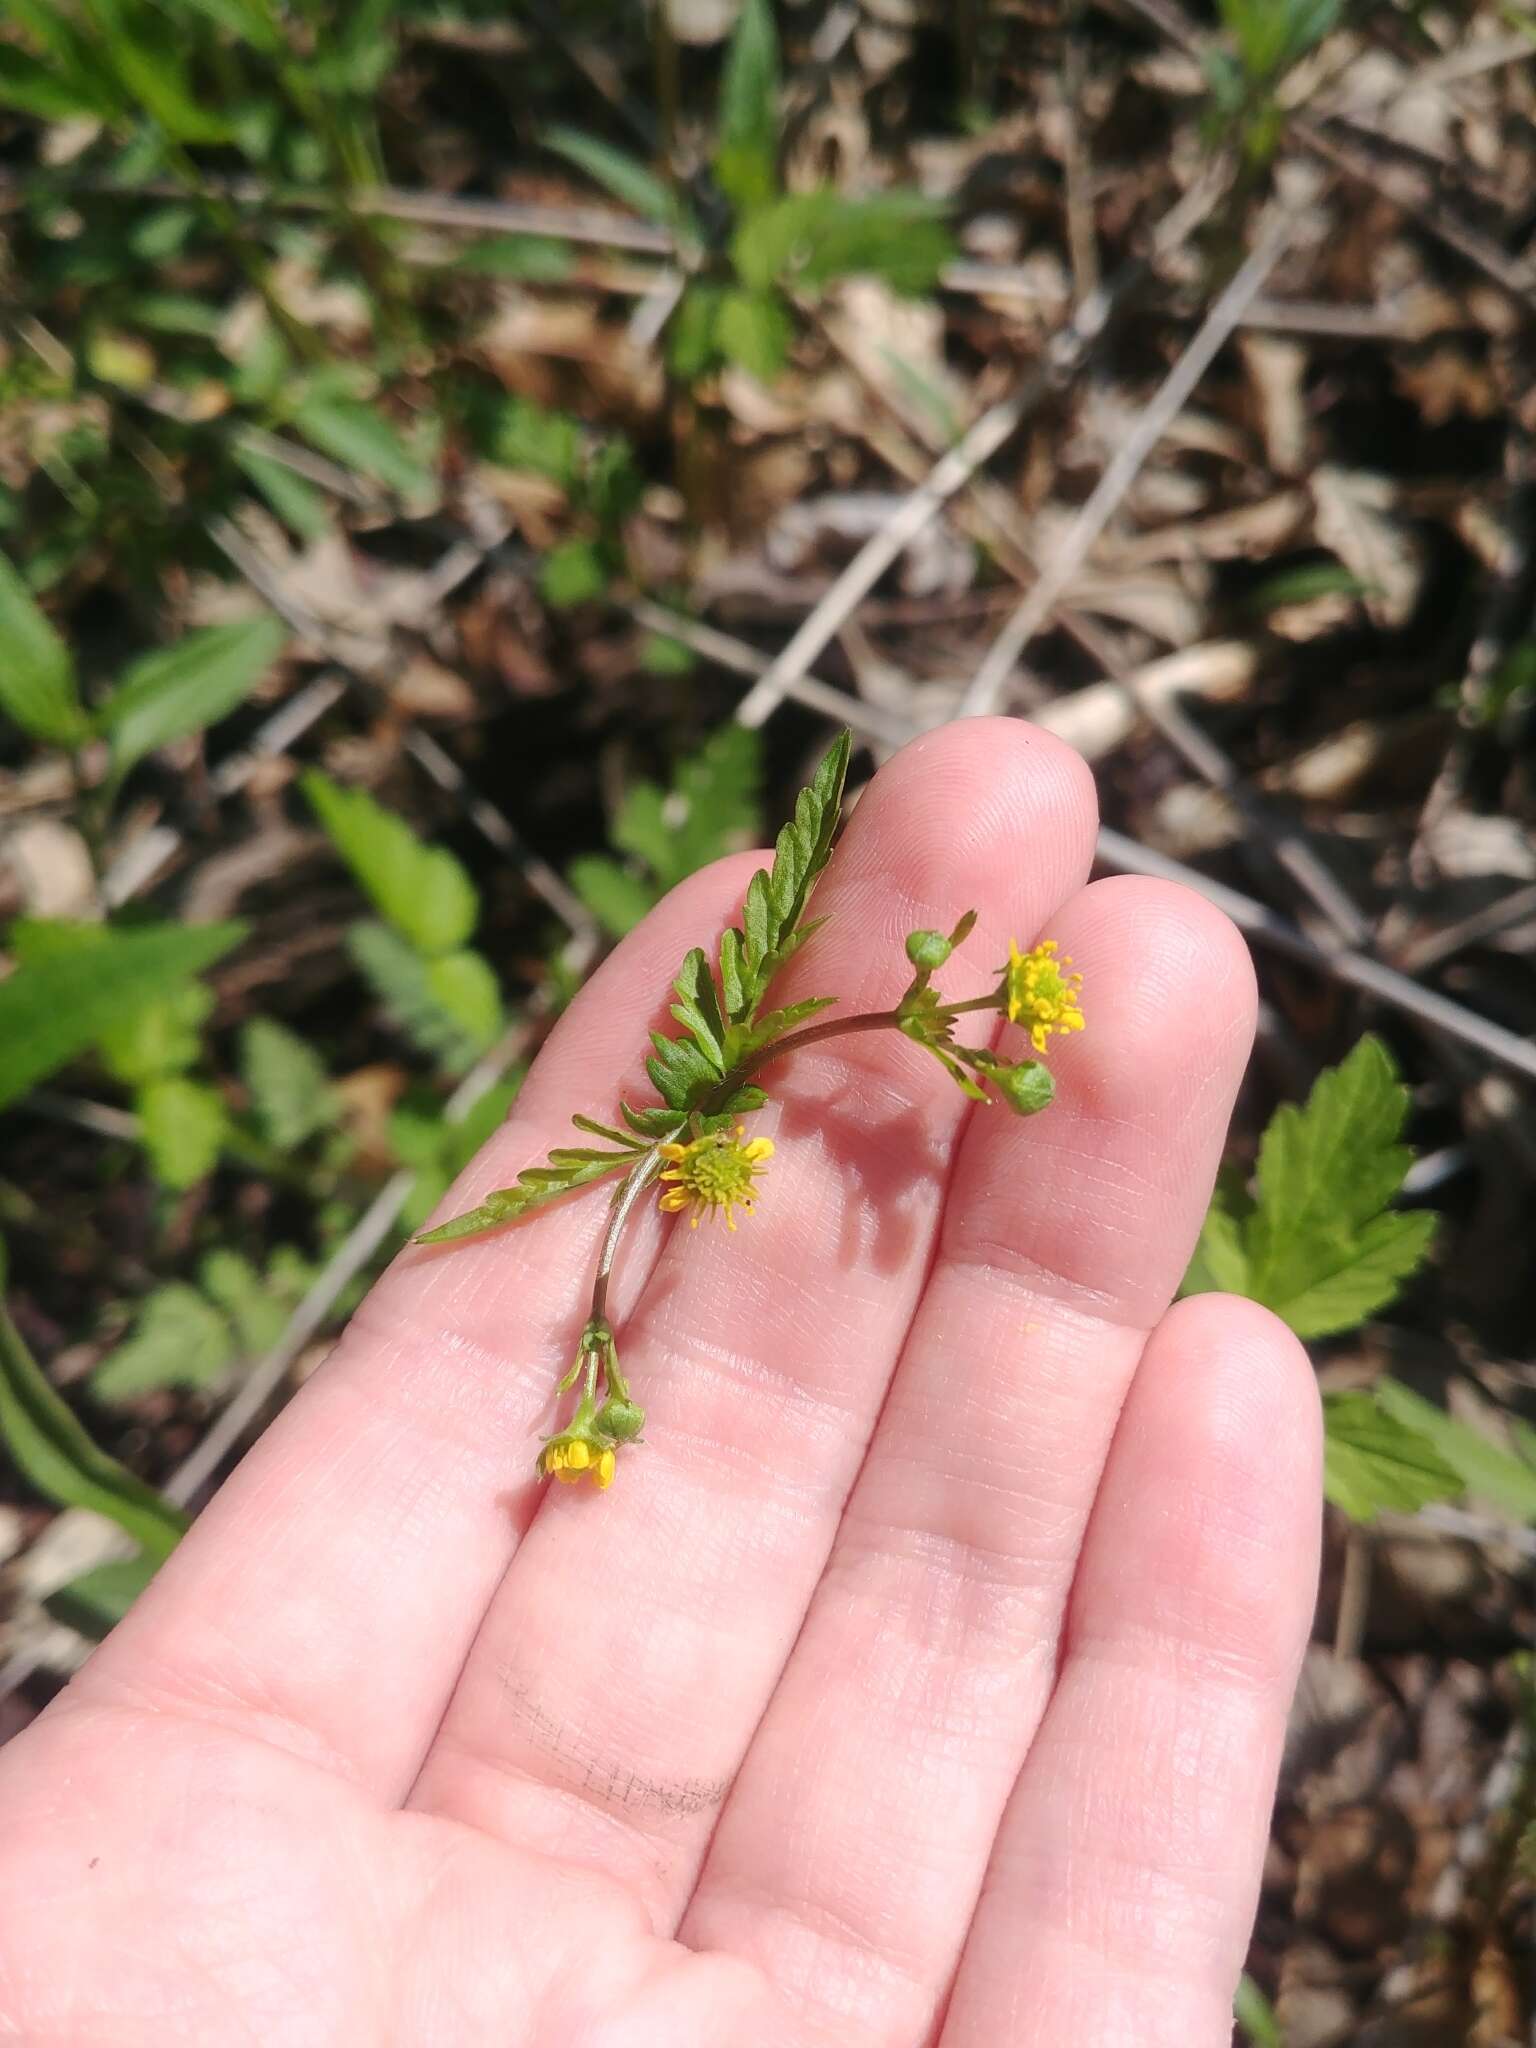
[(159, 1038), (293, 498), (53, 1451), (624, 176), (811, 239), (179, 1339), (290, 1090), (188, 687), (754, 330), (1319, 1245), (422, 890), (1374, 1462), (573, 573), (360, 438), (465, 988), (97, 1600), (37, 676), (749, 112), (182, 1124), (60, 1002), (258, 1305), (1506, 1482), (617, 898), (518, 434), (399, 977)]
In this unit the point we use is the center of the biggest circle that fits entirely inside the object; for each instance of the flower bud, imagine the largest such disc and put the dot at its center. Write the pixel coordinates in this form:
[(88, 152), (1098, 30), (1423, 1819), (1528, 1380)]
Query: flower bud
[(621, 1420), (928, 950), (1026, 1088)]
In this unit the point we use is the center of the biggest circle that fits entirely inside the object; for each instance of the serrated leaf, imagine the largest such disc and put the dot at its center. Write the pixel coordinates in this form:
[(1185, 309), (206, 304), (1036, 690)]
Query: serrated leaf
[(1319, 1245), (37, 675), (55, 1453), (290, 1090), (749, 115), (57, 1004), (182, 1124), (652, 1123), (360, 438), (776, 900), (398, 976), (680, 1073), (698, 1008), (178, 1340), (159, 1038), (742, 1040), (422, 890), (1493, 1474), (615, 897), (188, 687), (1374, 1463), (622, 175), (535, 1186)]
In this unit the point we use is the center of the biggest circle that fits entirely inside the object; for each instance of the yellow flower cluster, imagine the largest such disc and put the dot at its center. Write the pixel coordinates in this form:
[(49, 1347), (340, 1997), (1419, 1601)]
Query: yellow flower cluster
[(715, 1172), (1039, 996), (570, 1459)]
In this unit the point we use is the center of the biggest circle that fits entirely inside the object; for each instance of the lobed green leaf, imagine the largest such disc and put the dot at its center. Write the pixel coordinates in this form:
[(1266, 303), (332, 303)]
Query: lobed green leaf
[(1372, 1462)]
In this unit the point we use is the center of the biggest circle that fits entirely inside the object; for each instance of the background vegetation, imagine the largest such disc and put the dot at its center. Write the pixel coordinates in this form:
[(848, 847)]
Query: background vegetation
[(457, 465)]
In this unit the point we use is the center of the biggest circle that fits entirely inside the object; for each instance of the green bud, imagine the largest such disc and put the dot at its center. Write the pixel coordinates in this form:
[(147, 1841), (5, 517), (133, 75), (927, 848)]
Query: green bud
[(928, 950), (620, 1420), (1026, 1088)]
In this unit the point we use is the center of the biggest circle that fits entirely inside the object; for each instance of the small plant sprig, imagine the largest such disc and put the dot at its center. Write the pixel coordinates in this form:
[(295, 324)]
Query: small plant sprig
[(693, 1144)]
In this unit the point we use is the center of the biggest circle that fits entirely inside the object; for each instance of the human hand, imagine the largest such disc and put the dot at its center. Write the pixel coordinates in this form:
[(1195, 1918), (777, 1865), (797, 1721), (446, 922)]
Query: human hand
[(921, 1680)]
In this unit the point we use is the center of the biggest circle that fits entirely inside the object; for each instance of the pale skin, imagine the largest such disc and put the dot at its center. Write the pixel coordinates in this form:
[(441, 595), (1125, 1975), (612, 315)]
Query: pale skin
[(920, 1681)]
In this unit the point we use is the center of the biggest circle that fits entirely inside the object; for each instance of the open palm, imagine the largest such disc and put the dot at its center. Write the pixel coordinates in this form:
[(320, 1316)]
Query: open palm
[(921, 1679)]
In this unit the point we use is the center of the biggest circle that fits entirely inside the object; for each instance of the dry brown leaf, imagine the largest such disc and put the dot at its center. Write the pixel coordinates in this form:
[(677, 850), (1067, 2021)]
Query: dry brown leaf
[(1354, 518)]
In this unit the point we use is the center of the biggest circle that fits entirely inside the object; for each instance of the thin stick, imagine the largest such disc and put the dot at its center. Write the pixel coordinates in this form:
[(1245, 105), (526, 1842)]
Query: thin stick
[(991, 678)]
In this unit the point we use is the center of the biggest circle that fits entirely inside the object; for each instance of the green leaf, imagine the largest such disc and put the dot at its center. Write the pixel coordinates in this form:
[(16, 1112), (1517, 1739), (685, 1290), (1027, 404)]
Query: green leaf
[(1319, 1246), (183, 689), (182, 1124), (258, 1308), (159, 1038), (742, 1040), (1372, 1462), (573, 573), (178, 1340), (1220, 1263), (535, 259), (1494, 1475), (692, 344), (54, 1452), (535, 1186), (624, 176), (54, 1006), (681, 1074), (37, 676), (399, 977), (652, 1124), (698, 1008), (144, 57), (811, 239), (615, 897), (754, 330), (1256, 2016), (95, 1602), (360, 438), (749, 88), (422, 890), (297, 503), (465, 988), (776, 901), (290, 1090), (518, 434), (32, 87)]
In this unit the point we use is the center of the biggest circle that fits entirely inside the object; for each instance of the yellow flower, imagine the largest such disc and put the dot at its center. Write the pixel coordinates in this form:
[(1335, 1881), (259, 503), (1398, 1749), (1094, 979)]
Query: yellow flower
[(716, 1171), (1039, 996), (570, 1459)]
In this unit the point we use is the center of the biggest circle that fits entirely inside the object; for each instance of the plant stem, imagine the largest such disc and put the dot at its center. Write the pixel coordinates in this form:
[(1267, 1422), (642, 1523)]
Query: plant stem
[(648, 1164)]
